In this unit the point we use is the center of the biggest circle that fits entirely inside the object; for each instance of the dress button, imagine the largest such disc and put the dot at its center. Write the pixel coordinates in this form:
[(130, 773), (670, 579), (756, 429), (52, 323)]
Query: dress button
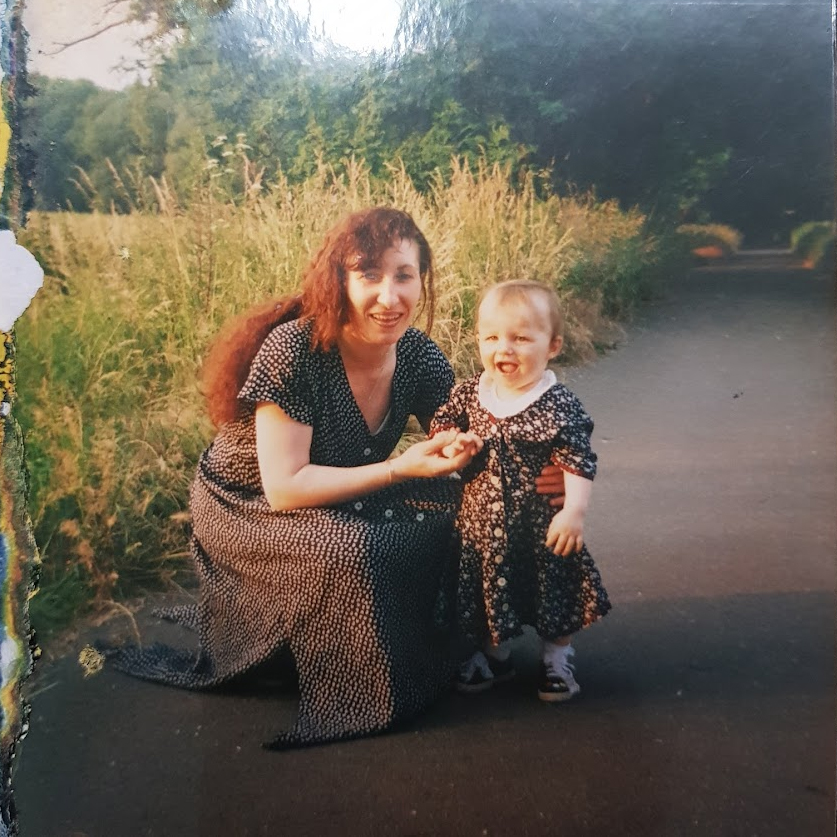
[(420, 516), (498, 559), (388, 513), (358, 506), (501, 582), (367, 451), (498, 532)]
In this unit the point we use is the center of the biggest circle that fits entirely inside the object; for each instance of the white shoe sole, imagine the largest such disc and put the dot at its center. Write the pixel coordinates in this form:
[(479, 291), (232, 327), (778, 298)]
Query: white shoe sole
[(557, 697), (476, 688)]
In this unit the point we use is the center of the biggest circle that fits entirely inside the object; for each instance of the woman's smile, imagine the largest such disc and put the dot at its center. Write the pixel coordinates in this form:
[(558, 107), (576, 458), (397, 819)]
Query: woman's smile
[(387, 319)]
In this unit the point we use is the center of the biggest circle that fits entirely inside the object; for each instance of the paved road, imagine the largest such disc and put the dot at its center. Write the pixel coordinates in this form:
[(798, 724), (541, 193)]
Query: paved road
[(708, 703)]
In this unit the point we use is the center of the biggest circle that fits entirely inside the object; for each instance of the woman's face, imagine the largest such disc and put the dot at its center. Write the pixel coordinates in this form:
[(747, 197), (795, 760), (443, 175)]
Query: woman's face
[(383, 298)]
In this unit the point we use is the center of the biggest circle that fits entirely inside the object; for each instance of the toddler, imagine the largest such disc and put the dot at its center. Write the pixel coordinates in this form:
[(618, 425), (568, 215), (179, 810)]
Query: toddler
[(521, 563)]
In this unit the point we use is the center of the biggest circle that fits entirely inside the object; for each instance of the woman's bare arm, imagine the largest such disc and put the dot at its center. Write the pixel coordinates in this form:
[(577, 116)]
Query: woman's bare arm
[(551, 481), (290, 481)]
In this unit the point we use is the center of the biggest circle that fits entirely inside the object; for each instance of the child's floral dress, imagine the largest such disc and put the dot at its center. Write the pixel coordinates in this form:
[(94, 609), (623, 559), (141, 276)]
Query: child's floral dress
[(508, 577)]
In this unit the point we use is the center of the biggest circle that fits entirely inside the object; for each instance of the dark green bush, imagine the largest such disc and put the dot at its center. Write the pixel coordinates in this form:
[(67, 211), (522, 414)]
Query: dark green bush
[(813, 242)]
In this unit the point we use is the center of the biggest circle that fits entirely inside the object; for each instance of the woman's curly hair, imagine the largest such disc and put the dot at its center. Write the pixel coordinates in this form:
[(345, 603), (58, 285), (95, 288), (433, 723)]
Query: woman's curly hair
[(356, 243)]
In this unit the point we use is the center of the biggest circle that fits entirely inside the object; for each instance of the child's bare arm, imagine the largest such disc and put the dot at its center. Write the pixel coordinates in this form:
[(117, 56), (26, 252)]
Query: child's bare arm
[(566, 531)]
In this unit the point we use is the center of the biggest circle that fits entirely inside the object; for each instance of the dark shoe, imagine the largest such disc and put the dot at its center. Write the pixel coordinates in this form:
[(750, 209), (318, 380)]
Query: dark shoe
[(503, 670), (557, 683), (480, 672), (475, 675)]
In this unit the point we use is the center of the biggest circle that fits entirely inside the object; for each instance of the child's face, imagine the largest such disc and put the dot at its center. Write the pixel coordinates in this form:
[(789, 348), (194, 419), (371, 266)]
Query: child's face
[(516, 342)]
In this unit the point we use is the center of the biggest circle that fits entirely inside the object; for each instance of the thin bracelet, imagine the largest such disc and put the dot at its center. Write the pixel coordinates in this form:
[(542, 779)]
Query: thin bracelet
[(391, 472)]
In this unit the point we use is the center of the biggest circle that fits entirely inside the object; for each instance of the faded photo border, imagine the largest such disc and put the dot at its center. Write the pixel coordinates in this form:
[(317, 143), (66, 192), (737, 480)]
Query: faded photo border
[(18, 553), (18, 550)]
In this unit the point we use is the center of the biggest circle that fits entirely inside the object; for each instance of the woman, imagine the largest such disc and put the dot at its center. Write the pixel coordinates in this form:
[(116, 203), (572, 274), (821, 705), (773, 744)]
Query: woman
[(306, 537)]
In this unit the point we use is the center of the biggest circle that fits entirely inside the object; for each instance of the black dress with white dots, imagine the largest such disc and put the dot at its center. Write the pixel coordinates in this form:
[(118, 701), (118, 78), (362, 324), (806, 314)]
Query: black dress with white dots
[(508, 577), (355, 591)]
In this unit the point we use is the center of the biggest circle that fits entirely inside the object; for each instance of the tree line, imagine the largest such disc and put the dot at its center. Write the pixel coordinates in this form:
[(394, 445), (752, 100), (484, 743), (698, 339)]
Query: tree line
[(691, 111)]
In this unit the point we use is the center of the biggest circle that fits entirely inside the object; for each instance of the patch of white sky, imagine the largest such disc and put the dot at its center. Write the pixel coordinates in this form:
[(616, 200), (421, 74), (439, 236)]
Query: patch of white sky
[(359, 25)]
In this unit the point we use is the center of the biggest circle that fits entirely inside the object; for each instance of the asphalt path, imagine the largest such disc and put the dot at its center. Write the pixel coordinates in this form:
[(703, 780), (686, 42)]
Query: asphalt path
[(708, 693)]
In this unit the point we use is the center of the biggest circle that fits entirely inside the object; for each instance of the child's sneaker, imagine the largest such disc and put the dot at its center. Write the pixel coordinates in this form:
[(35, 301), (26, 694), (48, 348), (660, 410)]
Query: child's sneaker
[(503, 670), (558, 678), (480, 672)]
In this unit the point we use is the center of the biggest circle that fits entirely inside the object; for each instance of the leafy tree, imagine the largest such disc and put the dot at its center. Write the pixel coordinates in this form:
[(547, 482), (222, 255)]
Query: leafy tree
[(685, 108), (689, 110), (50, 127)]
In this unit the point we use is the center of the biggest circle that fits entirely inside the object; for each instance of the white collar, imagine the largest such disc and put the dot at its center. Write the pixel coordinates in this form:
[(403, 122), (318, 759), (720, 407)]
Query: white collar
[(501, 408)]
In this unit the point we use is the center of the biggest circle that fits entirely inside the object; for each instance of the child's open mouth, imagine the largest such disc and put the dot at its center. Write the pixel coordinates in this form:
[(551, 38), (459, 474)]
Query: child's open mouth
[(506, 368)]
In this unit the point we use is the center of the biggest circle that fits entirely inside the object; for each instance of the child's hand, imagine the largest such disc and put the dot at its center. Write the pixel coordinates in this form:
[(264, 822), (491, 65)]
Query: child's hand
[(425, 459), (453, 449), (566, 532), (464, 442)]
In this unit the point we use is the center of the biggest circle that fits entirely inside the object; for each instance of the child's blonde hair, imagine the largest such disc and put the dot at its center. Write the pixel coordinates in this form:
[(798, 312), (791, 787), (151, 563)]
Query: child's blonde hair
[(522, 290)]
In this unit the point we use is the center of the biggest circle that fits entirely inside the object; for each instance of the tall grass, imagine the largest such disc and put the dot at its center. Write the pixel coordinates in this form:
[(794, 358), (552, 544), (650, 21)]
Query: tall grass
[(109, 351)]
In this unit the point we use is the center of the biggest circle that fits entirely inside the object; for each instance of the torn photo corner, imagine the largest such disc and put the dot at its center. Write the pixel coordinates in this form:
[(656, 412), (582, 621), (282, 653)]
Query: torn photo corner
[(22, 277)]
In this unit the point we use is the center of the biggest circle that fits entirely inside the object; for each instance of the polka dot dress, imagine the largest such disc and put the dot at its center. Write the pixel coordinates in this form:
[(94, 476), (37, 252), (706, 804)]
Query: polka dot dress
[(508, 578), (355, 591)]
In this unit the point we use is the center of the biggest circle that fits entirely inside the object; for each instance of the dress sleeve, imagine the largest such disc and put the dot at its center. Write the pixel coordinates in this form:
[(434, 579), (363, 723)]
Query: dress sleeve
[(453, 413), (279, 373), (435, 380), (572, 450)]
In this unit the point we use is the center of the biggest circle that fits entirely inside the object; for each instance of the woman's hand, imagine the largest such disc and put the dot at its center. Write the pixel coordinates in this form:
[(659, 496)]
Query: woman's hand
[(430, 458), (551, 481), (464, 441), (566, 532)]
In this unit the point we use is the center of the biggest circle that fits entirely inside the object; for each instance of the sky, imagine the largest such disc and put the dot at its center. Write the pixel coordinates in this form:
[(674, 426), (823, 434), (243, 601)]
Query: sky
[(358, 24)]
